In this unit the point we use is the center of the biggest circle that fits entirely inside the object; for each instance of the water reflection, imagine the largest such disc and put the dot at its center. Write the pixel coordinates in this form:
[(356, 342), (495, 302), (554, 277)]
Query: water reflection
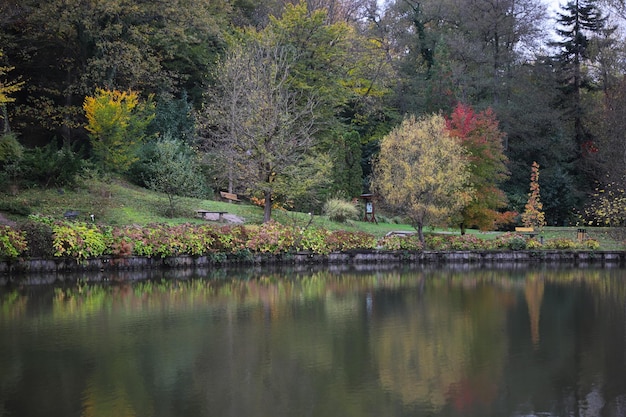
[(393, 342)]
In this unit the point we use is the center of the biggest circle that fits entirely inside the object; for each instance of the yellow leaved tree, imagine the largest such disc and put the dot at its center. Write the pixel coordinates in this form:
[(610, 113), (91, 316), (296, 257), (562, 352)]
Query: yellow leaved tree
[(6, 89), (117, 122), (422, 172)]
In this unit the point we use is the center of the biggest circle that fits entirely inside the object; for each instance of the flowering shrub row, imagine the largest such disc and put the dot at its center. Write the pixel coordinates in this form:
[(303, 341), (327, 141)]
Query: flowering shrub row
[(83, 240), (394, 242), (80, 240), (507, 241)]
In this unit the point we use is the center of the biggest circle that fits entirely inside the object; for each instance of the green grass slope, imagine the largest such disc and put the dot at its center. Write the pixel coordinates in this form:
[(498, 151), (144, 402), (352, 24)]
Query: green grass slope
[(117, 202)]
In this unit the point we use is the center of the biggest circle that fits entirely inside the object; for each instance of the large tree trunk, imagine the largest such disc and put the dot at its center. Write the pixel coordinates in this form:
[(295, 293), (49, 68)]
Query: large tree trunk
[(267, 212)]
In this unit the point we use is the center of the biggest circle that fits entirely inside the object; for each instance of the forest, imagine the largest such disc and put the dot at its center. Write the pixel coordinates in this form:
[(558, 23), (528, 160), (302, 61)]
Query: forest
[(289, 102)]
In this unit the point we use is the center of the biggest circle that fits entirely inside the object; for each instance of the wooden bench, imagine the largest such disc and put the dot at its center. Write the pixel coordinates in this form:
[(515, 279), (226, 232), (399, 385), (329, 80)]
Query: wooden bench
[(208, 214), (529, 231), (230, 197)]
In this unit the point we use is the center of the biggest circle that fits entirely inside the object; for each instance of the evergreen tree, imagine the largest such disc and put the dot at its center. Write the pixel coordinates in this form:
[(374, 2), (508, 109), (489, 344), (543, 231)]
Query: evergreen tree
[(347, 172), (580, 21)]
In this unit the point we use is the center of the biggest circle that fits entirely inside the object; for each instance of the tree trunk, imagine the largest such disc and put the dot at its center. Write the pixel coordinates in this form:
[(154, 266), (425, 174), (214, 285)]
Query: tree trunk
[(267, 212), (420, 233), (5, 116)]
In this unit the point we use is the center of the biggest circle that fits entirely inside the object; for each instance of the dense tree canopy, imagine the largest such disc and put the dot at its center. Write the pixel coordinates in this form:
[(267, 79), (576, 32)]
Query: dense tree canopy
[(554, 84)]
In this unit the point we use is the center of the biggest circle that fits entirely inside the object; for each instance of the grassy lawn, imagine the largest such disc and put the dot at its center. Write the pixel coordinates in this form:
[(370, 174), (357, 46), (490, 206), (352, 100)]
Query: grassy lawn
[(119, 203)]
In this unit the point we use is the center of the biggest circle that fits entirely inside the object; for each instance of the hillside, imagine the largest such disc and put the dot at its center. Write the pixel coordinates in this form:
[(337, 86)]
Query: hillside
[(119, 203)]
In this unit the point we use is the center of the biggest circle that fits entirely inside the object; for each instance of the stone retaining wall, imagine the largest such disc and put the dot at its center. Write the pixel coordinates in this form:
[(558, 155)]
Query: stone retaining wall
[(48, 271), (351, 257)]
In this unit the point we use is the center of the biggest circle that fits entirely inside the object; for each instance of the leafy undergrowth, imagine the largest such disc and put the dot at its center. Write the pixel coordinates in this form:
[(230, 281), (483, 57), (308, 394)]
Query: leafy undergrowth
[(81, 240)]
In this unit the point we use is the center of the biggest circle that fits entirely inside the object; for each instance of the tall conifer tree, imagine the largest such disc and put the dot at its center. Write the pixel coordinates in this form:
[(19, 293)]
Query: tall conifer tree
[(579, 22)]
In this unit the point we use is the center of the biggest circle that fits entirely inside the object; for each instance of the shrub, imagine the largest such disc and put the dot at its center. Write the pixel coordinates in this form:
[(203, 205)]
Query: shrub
[(314, 240), (436, 242), (517, 243), (39, 218), (380, 218), (591, 244), (11, 154), (78, 240), (339, 210), (12, 206), (341, 240), (232, 239), (395, 242), (162, 240), (533, 244), (561, 243), (12, 243), (122, 244), (466, 242), (134, 239), (39, 238), (512, 241), (50, 166), (271, 237), (193, 240)]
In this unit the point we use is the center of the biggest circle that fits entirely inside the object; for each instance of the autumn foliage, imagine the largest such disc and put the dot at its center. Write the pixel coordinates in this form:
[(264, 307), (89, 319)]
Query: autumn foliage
[(607, 207), (116, 122), (7, 88), (481, 136), (423, 172), (533, 215)]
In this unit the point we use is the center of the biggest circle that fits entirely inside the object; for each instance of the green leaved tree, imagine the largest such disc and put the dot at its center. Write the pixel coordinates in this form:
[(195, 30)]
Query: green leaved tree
[(174, 170)]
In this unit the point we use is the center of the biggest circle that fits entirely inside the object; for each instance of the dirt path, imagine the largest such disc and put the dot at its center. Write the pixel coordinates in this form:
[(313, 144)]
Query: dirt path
[(5, 221)]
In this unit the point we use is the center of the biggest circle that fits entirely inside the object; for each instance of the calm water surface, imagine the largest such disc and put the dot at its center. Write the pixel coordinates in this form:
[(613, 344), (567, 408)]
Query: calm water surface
[(521, 342)]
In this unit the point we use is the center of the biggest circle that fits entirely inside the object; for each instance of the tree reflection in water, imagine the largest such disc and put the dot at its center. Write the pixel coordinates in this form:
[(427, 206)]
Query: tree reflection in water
[(441, 342)]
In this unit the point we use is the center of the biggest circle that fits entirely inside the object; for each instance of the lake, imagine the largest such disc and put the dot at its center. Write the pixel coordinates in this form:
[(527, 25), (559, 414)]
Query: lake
[(458, 341)]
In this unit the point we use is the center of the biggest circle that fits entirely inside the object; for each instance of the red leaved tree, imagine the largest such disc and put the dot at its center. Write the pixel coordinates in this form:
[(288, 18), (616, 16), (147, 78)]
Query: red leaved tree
[(481, 136)]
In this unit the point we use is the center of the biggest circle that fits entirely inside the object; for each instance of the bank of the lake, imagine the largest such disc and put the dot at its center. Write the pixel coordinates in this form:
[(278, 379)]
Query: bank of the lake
[(21, 271)]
